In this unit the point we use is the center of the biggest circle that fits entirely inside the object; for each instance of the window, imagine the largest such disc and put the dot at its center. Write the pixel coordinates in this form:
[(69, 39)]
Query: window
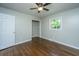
[(55, 23)]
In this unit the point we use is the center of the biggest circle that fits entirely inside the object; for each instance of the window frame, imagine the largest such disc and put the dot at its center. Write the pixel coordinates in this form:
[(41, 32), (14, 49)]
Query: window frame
[(50, 26)]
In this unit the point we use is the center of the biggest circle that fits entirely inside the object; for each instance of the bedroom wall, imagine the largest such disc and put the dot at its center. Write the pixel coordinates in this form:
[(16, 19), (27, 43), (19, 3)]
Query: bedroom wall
[(23, 24), (69, 34)]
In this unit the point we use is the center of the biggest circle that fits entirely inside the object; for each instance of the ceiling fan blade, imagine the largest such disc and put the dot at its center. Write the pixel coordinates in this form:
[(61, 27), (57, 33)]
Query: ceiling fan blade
[(41, 4), (32, 8), (37, 4), (45, 9), (38, 11), (46, 4)]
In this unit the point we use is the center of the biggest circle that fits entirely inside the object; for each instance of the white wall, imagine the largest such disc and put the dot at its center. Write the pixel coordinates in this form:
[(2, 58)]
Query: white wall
[(23, 24), (69, 34)]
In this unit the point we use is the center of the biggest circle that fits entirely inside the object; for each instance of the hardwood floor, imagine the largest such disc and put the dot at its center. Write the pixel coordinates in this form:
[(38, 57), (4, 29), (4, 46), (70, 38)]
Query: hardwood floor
[(39, 47)]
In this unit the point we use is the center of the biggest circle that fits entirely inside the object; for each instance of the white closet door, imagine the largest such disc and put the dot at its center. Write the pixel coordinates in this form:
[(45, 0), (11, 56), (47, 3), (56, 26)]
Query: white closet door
[(7, 31), (35, 28)]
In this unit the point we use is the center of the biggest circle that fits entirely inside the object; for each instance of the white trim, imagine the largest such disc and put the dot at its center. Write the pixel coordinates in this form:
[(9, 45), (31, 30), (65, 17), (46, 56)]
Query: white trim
[(35, 36), (62, 43), (23, 42), (7, 47), (18, 43), (60, 18), (39, 28)]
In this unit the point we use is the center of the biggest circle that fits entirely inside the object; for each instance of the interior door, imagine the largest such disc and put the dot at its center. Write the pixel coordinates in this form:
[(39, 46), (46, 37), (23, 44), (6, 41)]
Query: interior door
[(35, 28), (7, 31)]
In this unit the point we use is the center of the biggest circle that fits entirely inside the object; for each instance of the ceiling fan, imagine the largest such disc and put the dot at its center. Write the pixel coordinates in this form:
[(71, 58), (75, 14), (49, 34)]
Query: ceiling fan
[(41, 6)]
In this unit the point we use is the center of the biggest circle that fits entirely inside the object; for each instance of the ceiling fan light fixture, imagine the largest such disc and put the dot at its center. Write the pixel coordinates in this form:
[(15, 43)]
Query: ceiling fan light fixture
[(40, 8)]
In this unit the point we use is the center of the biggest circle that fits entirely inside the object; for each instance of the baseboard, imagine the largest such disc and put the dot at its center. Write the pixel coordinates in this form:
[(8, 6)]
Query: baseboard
[(65, 44), (23, 42), (34, 36), (7, 47), (17, 43)]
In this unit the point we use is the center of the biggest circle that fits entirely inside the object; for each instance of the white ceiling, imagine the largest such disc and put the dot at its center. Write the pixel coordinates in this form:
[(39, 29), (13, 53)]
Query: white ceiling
[(25, 8)]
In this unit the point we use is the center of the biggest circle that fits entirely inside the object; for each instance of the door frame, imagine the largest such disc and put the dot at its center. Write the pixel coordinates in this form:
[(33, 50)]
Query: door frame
[(39, 26)]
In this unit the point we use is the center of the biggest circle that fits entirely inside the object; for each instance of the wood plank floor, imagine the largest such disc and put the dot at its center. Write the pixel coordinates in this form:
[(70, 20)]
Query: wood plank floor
[(39, 47)]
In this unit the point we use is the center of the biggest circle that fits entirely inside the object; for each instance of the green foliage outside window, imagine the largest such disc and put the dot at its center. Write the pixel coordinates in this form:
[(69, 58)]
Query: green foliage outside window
[(55, 24)]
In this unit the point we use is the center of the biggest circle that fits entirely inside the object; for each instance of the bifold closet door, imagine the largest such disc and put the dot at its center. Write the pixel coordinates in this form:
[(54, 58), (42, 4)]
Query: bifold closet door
[(7, 31), (35, 28)]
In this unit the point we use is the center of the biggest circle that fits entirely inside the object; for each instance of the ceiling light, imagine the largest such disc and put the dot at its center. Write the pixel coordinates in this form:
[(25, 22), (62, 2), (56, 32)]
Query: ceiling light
[(40, 8)]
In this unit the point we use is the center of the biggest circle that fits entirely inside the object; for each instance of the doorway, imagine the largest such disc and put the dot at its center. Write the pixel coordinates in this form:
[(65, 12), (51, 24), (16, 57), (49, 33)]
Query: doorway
[(7, 31), (35, 28)]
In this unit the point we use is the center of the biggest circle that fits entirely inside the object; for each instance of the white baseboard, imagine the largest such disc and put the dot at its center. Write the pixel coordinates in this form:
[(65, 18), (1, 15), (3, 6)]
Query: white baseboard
[(23, 42), (7, 46), (35, 36), (18, 43), (62, 43)]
